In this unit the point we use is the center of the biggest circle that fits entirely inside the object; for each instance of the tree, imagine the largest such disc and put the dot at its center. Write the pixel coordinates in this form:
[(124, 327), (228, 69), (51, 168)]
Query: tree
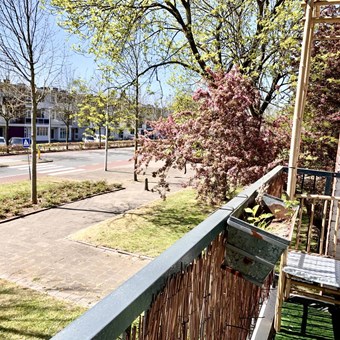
[(13, 100), (224, 143), (26, 51), (260, 37), (101, 107), (92, 111), (66, 108), (322, 113)]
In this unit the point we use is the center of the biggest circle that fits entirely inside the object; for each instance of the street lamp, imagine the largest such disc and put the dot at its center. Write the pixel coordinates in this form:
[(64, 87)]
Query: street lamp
[(107, 129)]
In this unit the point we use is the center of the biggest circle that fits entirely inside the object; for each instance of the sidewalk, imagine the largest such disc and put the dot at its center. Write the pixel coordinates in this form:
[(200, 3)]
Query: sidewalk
[(35, 251)]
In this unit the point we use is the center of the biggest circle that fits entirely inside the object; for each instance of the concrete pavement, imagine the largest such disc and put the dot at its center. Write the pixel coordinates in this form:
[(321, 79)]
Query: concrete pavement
[(35, 250)]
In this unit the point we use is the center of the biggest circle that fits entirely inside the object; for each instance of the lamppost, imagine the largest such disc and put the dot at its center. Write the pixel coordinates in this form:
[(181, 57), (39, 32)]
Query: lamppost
[(107, 129)]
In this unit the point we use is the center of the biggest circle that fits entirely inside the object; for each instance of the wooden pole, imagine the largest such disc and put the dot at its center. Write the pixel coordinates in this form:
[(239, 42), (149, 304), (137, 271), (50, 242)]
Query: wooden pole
[(301, 92)]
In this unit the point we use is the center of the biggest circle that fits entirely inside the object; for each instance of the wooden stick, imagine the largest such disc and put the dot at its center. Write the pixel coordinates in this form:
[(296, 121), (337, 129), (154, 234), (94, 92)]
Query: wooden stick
[(320, 197), (322, 298), (336, 228), (323, 225), (322, 3), (280, 292), (301, 91), (326, 20), (310, 227), (299, 225)]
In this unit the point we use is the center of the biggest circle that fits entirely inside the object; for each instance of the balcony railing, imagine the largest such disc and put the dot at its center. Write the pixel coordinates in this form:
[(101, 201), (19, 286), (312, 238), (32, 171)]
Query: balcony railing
[(28, 120), (189, 292), (40, 121)]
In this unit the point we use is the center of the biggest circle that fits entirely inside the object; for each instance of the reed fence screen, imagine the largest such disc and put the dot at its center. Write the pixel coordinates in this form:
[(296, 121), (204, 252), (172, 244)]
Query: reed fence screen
[(204, 301)]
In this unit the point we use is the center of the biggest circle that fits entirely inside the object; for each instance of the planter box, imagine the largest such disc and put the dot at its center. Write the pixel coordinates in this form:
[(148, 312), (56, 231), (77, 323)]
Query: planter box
[(253, 252)]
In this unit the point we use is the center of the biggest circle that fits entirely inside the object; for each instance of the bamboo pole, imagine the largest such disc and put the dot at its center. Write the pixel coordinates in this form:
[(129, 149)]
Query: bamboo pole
[(280, 292), (320, 197), (323, 226), (323, 3), (310, 227), (326, 20), (335, 235), (299, 225), (300, 98)]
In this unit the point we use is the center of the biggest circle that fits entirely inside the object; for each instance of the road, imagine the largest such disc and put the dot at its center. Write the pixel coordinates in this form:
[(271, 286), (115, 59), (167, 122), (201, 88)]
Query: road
[(72, 164)]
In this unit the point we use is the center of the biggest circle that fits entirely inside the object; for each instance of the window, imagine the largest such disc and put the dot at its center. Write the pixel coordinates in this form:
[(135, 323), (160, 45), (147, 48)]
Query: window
[(62, 133), (42, 131)]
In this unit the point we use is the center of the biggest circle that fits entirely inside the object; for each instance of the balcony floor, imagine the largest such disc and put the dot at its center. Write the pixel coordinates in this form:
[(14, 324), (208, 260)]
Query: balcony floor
[(307, 319)]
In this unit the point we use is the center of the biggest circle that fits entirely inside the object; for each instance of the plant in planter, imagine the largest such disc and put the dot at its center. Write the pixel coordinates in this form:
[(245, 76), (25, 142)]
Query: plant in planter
[(257, 236), (284, 215), (260, 221)]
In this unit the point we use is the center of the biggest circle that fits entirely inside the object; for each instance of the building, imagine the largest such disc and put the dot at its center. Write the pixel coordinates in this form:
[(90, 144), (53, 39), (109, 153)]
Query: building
[(54, 117)]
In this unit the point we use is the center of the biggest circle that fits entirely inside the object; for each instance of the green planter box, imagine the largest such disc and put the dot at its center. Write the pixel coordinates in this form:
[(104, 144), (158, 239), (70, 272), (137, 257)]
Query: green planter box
[(251, 251)]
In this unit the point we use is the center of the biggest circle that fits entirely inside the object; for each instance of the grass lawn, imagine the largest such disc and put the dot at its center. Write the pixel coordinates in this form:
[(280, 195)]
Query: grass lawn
[(304, 319), (15, 197), (151, 229), (27, 314)]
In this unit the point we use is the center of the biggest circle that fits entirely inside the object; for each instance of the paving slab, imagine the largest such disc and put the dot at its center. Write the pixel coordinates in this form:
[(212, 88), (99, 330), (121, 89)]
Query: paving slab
[(35, 250)]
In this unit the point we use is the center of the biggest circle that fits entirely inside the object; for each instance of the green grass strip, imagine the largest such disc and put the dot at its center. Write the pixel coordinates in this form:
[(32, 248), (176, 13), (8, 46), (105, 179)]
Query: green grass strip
[(27, 314), (15, 198), (151, 229)]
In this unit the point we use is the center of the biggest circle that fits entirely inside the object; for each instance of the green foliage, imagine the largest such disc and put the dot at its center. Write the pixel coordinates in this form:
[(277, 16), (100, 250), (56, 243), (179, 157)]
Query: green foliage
[(290, 204), (260, 221), (261, 37), (183, 101), (101, 107)]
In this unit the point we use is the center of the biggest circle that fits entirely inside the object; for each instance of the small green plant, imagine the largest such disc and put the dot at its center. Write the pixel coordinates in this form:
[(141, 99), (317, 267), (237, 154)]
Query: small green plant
[(260, 221), (291, 204)]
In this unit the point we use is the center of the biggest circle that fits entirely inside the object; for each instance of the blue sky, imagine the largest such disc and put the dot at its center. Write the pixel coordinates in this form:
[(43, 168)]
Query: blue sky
[(84, 67)]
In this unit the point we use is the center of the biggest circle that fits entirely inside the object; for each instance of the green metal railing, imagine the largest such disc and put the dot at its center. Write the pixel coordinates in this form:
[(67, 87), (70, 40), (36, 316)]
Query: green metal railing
[(110, 317)]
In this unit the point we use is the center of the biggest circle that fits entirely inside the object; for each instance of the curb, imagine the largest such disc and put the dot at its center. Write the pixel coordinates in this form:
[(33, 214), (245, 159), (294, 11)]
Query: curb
[(112, 250)]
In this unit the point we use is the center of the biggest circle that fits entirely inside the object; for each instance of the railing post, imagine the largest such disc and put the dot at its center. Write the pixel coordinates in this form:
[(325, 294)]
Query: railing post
[(328, 186), (310, 227)]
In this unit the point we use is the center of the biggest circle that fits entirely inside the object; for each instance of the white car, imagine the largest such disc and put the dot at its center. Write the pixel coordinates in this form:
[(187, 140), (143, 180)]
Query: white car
[(102, 138), (88, 139), (2, 141)]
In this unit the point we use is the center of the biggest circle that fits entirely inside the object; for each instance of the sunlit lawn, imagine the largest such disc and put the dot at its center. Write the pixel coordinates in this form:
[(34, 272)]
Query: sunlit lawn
[(303, 319), (151, 229), (15, 197), (27, 314)]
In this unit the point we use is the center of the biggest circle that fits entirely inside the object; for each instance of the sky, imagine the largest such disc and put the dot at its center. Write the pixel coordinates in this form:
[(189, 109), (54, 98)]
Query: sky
[(85, 67)]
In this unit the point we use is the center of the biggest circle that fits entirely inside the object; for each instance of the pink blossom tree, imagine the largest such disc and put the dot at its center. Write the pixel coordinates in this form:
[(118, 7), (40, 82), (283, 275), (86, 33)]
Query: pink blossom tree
[(224, 143)]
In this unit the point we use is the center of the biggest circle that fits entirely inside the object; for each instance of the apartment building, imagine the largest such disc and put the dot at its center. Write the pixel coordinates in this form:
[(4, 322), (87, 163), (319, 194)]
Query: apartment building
[(51, 121)]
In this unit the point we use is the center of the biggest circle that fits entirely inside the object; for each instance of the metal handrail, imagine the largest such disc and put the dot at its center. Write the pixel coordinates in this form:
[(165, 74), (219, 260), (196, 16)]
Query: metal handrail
[(110, 317)]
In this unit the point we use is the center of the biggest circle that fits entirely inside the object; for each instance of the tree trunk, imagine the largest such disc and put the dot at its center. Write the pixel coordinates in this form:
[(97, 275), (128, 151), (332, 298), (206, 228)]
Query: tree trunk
[(136, 126), (67, 135), (6, 134), (34, 143)]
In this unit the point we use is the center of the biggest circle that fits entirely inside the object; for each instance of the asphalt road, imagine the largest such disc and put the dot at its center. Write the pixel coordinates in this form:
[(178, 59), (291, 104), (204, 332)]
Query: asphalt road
[(64, 164)]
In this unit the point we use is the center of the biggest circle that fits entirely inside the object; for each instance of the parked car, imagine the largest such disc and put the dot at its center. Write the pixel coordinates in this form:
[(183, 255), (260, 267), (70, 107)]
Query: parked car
[(88, 139), (102, 138), (15, 141), (2, 141), (130, 136)]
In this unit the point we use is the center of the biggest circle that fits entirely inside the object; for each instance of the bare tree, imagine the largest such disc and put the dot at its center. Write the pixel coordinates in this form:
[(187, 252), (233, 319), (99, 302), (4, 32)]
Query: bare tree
[(26, 51), (127, 73), (13, 100)]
